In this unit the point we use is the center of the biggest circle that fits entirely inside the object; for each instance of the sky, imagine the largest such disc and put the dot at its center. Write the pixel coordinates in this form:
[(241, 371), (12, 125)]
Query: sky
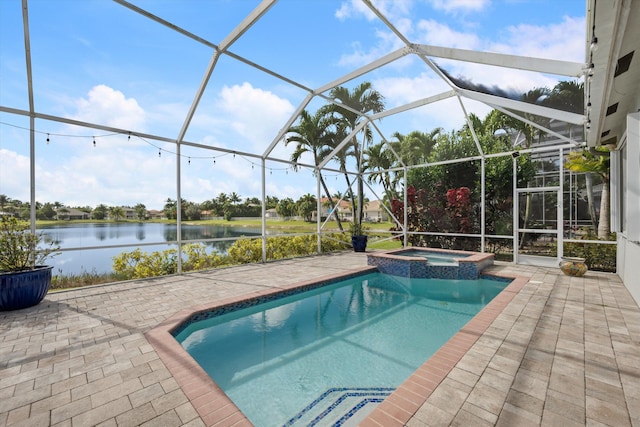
[(99, 62)]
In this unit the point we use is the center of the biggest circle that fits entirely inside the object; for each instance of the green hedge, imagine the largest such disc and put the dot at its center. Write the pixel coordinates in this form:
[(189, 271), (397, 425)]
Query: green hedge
[(598, 257), (138, 264)]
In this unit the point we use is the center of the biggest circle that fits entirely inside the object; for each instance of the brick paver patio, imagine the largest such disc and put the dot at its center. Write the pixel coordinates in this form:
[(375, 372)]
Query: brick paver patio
[(563, 351)]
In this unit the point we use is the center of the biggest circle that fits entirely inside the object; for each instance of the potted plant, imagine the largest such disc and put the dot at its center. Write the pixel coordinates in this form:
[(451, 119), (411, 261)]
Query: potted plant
[(24, 279), (358, 237)]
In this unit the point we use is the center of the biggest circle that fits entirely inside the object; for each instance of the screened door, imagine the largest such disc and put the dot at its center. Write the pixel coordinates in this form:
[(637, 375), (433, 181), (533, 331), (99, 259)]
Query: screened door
[(539, 225)]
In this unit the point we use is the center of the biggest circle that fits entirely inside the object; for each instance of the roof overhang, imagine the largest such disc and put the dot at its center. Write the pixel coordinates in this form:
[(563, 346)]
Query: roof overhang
[(612, 87)]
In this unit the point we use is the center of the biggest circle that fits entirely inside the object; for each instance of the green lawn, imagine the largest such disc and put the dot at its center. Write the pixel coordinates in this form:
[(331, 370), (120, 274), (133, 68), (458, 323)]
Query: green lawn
[(294, 225)]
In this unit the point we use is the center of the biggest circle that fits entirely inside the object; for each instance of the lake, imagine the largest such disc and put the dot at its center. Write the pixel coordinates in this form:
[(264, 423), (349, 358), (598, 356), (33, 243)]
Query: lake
[(114, 234)]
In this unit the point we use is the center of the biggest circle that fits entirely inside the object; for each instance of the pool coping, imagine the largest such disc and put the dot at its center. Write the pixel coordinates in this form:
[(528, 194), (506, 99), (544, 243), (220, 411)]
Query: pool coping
[(217, 409), (465, 257)]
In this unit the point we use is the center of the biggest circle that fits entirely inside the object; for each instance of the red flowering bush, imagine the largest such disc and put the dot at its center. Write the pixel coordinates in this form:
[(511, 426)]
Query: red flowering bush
[(439, 211)]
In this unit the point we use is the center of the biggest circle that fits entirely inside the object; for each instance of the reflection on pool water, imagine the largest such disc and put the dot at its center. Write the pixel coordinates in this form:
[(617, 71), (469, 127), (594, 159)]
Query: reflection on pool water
[(330, 355)]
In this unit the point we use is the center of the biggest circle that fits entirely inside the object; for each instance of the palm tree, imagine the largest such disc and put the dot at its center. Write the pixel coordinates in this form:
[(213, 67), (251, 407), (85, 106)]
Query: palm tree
[(170, 208), (141, 211), (306, 205), (341, 158), (595, 161), (116, 212), (234, 198), (286, 208), (380, 161), (313, 135), (415, 147), (362, 100), (4, 200), (568, 96), (529, 133)]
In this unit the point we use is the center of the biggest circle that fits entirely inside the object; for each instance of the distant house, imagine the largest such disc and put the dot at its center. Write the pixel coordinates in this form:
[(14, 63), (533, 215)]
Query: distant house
[(68, 214), (130, 213), (155, 214), (374, 212), (343, 208), (271, 213), (127, 213), (206, 214)]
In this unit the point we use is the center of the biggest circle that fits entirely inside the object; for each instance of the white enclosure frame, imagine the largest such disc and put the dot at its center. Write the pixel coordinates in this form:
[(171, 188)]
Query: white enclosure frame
[(510, 107)]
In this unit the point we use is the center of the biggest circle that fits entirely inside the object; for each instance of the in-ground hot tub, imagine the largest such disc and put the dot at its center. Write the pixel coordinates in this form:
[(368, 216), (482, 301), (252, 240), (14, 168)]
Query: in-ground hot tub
[(431, 263)]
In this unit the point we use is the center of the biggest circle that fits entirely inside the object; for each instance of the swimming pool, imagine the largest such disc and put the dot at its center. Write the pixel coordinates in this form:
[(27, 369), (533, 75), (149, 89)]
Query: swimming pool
[(329, 355)]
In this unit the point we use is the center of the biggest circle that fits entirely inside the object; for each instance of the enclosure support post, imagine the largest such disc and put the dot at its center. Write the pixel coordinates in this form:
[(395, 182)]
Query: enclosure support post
[(32, 174), (32, 120), (178, 206), (405, 219), (264, 210), (318, 210), (560, 208), (482, 204), (516, 209)]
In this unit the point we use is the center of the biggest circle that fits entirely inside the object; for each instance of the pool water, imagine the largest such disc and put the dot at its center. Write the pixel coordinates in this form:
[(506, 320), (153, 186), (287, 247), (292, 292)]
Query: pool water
[(434, 257), (330, 355)]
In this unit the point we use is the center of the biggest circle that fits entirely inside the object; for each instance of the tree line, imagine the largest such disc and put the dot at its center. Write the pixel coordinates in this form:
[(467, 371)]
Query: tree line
[(232, 205), (224, 205)]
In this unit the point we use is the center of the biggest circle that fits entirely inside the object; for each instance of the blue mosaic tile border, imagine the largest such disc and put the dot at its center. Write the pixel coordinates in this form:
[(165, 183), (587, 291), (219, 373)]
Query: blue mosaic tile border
[(229, 308), (356, 408), (369, 395)]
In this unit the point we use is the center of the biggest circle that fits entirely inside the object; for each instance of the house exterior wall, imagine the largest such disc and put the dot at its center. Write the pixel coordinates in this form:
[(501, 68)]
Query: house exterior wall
[(628, 253), (628, 265)]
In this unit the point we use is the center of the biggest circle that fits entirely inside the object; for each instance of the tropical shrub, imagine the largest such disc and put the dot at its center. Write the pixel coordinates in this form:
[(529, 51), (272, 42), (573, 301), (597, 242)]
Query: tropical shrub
[(440, 211), (598, 256), (250, 250), (20, 248), (197, 258), (138, 264)]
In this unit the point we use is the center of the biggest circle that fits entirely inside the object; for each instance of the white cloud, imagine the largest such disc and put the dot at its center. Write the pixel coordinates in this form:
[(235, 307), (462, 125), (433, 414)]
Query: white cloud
[(14, 172), (463, 6), (564, 40), (435, 33), (168, 116), (387, 42), (402, 90), (110, 107), (253, 113), (353, 9)]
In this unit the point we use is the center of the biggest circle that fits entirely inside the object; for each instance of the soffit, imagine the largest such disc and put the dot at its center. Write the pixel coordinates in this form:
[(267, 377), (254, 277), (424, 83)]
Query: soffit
[(612, 92)]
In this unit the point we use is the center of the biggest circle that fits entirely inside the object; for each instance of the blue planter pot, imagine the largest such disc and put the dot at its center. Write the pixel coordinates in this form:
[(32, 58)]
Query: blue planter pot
[(359, 243), (24, 289)]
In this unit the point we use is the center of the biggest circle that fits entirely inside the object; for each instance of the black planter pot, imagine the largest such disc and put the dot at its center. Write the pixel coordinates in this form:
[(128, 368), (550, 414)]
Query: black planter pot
[(359, 243), (24, 289)]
